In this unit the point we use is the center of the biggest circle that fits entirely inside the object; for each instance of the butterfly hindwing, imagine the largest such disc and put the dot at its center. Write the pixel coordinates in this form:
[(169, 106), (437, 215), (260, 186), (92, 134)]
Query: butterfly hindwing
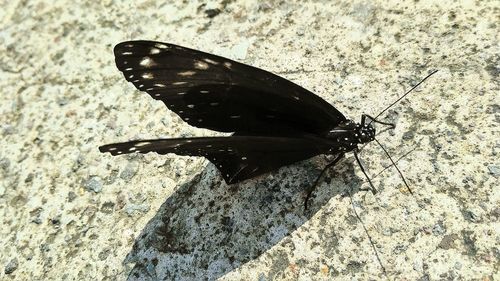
[(237, 157), (213, 92)]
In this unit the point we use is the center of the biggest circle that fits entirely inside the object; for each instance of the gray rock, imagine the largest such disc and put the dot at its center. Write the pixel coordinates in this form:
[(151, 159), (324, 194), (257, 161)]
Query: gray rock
[(494, 170), (11, 266), (439, 228), (93, 183), (129, 171), (4, 163), (130, 209)]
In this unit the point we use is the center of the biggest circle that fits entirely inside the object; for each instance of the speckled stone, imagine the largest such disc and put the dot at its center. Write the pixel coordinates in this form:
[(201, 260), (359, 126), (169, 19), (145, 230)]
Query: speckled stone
[(93, 184), (11, 266), (69, 212)]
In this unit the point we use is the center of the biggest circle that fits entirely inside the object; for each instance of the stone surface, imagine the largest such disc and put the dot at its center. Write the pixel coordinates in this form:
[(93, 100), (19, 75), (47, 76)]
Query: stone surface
[(170, 217)]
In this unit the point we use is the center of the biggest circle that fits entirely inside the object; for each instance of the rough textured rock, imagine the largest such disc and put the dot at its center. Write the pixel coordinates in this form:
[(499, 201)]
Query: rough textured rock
[(171, 217)]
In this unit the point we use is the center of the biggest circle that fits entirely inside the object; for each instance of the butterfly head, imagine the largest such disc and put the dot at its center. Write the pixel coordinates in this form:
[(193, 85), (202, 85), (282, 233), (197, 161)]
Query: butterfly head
[(364, 132), (349, 134)]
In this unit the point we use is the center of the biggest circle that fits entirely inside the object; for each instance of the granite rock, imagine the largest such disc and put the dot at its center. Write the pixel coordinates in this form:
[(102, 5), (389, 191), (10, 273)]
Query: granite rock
[(173, 218)]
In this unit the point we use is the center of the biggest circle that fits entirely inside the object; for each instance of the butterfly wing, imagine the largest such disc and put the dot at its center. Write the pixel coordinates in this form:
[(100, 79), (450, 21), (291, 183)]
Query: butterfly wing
[(237, 157), (217, 93)]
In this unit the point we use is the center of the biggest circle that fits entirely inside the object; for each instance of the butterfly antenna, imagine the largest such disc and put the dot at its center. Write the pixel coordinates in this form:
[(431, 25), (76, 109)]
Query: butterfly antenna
[(373, 189), (367, 234), (409, 91), (397, 160), (395, 166), (328, 166)]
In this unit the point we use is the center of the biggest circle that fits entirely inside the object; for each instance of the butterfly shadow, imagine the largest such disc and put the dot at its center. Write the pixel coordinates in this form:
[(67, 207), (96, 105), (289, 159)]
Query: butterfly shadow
[(207, 228)]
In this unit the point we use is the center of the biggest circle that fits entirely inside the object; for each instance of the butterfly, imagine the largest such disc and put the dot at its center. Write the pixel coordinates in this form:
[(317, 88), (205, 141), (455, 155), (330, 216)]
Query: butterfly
[(274, 121)]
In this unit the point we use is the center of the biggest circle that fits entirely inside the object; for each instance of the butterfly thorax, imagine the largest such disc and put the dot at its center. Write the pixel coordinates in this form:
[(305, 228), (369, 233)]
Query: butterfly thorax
[(348, 134)]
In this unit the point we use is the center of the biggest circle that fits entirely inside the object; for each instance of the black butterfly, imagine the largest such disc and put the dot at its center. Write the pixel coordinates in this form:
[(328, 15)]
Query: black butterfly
[(275, 122)]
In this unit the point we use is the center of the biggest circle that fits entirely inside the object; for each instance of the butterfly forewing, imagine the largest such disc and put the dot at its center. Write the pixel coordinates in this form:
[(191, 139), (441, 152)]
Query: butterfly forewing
[(213, 92), (237, 157)]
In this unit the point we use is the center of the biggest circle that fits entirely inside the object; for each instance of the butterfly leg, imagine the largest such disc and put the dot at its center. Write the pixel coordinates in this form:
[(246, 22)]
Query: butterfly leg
[(373, 189), (395, 166), (311, 189)]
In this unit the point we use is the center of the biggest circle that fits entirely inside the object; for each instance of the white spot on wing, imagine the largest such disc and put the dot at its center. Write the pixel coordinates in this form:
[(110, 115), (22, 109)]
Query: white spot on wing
[(211, 61), (161, 46), (146, 62), (128, 68), (179, 83), (295, 97), (228, 65), (190, 105), (159, 85), (154, 51), (181, 93), (147, 75), (201, 65), (186, 73), (204, 91), (243, 158), (112, 149), (131, 76), (129, 45), (127, 53), (132, 149), (142, 143)]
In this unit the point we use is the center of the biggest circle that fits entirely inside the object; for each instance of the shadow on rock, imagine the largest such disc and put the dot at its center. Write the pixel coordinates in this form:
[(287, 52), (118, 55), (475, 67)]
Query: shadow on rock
[(207, 228)]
